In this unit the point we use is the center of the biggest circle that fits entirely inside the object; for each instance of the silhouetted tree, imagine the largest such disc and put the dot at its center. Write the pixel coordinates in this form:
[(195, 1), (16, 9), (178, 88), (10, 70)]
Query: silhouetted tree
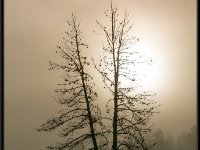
[(81, 119), (131, 111)]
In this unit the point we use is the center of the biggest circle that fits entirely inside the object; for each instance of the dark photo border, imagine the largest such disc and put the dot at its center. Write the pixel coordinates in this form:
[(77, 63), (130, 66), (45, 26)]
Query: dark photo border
[(2, 74)]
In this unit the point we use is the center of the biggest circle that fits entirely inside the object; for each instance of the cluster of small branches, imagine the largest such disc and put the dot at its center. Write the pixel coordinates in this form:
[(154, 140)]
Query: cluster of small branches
[(131, 112), (81, 120)]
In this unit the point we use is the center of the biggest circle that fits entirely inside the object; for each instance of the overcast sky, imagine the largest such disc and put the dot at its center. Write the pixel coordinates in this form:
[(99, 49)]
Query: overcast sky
[(33, 29)]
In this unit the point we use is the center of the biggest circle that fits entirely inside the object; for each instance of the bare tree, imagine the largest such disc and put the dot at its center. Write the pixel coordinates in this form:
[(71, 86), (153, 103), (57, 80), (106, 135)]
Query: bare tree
[(131, 110), (81, 119)]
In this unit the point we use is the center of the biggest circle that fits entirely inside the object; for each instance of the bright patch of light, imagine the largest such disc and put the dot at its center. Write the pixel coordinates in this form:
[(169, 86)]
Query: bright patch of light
[(148, 75)]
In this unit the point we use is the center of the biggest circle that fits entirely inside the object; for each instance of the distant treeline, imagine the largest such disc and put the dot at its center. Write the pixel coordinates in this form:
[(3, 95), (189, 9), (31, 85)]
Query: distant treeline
[(185, 141)]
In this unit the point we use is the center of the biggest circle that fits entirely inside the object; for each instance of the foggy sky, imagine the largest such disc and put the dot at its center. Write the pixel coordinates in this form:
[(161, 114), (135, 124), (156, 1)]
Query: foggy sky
[(33, 29)]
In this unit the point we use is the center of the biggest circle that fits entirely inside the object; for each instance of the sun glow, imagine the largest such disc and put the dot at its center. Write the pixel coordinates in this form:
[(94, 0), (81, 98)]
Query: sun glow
[(147, 73)]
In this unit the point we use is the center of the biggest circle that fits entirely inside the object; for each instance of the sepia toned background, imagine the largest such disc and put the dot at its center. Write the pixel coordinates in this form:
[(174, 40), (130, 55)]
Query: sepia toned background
[(33, 29)]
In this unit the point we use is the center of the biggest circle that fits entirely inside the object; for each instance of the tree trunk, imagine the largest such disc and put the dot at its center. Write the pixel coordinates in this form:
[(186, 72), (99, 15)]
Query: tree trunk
[(87, 101)]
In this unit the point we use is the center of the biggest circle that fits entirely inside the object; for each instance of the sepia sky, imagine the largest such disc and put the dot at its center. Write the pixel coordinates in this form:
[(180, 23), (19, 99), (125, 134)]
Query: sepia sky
[(33, 29)]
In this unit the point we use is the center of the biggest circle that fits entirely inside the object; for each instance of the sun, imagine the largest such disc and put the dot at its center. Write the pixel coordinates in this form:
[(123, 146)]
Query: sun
[(148, 75), (150, 71)]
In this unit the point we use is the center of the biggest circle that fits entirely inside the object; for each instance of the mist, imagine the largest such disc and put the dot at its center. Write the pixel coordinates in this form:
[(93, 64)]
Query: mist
[(34, 28), (185, 141)]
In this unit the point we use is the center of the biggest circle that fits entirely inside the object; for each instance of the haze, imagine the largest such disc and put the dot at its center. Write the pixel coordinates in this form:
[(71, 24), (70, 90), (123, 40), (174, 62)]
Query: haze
[(34, 28)]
